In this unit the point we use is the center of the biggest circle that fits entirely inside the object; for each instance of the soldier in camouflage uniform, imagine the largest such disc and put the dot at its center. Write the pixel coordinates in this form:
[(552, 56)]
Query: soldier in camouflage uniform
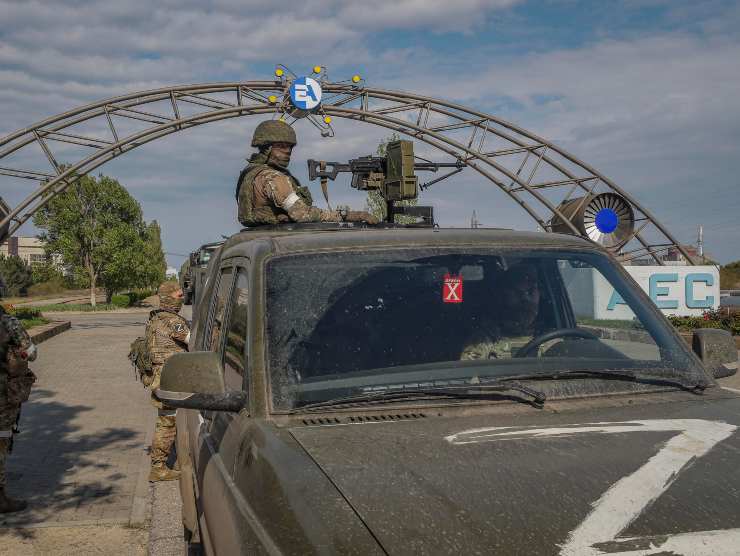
[(16, 379), (512, 324), (167, 333), (267, 193)]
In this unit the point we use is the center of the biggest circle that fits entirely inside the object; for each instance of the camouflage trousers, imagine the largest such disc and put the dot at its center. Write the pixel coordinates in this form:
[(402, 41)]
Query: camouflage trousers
[(164, 437), (8, 414)]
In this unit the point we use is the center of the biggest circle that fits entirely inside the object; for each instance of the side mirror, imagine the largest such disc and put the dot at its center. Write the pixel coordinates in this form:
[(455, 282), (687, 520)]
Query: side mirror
[(196, 381), (193, 259), (717, 350)]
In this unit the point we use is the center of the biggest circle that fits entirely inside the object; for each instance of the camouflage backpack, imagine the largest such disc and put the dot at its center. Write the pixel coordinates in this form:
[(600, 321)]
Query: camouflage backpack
[(140, 358)]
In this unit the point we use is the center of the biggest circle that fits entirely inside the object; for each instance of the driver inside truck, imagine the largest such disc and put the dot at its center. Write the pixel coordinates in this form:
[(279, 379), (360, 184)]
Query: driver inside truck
[(511, 320)]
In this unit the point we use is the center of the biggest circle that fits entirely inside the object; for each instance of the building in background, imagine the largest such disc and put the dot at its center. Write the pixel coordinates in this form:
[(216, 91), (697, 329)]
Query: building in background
[(30, 249)]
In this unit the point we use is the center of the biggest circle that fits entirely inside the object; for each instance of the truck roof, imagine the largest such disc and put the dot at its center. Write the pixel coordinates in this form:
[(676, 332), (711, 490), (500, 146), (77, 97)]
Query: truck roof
[(296, 239)]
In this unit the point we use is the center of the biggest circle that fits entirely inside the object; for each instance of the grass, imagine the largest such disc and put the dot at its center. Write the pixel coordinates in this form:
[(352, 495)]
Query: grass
[(82, 307), (30, 323)]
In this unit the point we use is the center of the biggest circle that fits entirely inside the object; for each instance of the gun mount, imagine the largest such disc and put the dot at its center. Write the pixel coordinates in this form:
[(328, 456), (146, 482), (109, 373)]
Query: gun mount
[(393, 176)]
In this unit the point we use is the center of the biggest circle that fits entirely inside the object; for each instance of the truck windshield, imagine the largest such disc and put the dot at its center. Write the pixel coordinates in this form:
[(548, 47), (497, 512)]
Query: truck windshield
[(347, 323)]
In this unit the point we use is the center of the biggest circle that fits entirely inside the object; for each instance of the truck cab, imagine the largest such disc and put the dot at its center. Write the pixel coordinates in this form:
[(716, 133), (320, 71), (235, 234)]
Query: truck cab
[(398, 391)]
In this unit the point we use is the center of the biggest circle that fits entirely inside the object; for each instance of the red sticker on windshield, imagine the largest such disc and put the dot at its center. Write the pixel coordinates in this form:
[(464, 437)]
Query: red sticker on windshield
[(452, 289)]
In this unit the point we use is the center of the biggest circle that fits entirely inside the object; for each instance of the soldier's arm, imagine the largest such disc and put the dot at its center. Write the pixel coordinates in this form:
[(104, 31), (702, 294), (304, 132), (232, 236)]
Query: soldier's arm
[(20, 341), (179, 330), (280, 190)]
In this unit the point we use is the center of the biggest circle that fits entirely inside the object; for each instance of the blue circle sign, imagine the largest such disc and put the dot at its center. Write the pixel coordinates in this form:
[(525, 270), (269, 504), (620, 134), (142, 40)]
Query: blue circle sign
[(305, 93), (607, 220)]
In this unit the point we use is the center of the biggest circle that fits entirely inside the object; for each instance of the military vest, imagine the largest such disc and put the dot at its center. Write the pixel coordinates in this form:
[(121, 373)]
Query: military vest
[(249, 215), (159, 344)]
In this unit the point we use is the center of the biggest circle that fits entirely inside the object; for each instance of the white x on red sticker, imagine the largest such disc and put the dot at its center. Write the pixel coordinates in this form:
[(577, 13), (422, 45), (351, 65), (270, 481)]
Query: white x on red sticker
[(452, 289)]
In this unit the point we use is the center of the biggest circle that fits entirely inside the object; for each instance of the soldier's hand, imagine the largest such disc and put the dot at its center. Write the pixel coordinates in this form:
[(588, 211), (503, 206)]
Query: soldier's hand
[(361, 216)]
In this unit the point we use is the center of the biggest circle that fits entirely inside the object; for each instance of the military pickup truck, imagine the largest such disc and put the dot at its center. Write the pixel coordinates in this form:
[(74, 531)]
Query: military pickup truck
[(431, 391), (193, 271)]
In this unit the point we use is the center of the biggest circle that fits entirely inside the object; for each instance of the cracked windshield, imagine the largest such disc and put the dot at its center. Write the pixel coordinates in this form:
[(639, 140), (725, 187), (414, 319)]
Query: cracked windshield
[(350, 323)]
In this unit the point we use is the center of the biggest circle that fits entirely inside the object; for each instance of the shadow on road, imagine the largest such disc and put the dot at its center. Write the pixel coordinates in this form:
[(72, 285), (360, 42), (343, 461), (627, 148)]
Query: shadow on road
[(64, 474)]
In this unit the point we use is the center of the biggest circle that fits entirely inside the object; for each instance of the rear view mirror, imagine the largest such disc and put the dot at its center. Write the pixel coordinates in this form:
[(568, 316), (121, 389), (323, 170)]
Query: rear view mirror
[(196, 381), (717, 350)]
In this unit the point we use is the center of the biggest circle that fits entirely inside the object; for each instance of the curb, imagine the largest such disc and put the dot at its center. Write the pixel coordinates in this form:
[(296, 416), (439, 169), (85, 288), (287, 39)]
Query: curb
[(46, 331), (141, 503)]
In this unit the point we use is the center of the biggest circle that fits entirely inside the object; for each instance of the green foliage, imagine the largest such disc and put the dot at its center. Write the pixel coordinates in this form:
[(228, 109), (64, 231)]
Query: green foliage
[(16, 275), (46, 288), (30, 323), (77, 307), (98, 229), (710, 319), (375, 204), (46, 272), (121, 300), (729, 276), (25, 313)]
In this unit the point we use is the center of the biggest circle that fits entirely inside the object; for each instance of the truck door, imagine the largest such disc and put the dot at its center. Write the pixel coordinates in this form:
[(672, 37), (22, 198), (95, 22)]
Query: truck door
[(222, 441)]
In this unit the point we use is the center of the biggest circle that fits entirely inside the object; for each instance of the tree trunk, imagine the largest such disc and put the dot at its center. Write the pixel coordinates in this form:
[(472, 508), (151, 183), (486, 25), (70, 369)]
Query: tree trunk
[(93, 282)]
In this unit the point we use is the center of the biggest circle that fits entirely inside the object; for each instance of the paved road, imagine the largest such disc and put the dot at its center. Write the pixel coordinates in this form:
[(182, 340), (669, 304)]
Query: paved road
[(87, 433)]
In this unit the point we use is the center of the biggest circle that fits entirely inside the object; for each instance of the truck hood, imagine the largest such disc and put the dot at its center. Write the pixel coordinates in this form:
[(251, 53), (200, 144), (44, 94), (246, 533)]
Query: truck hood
[(660, 478)]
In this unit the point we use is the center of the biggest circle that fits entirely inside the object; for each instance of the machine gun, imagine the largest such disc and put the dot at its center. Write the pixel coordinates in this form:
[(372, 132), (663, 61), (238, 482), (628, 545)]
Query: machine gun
[(393, 176)]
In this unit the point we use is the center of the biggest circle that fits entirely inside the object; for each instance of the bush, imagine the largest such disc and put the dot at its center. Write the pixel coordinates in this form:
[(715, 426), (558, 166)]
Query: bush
[(46, 272), (25, 313), (84, 307), (121, 300), (45, 288), (16, 274), (710, 319)]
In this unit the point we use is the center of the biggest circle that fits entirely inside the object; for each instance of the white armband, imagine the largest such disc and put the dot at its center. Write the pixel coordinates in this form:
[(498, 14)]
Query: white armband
[(290, 200)]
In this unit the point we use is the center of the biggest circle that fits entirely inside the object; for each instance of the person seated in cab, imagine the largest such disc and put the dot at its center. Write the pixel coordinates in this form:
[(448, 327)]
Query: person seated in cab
[(513, 320), (266, 191)]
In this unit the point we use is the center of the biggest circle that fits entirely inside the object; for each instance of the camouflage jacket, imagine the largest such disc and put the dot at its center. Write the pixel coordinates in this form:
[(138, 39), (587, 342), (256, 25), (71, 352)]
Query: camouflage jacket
[(19, 343), (267, 195), (166, 334)]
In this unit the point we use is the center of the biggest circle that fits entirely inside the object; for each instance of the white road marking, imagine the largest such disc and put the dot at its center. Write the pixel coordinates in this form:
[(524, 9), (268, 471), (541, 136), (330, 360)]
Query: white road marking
[(626, 499), (731, 389)]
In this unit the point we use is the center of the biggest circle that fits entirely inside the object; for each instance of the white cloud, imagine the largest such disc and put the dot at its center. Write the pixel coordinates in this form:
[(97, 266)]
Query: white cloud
[(658, 113)]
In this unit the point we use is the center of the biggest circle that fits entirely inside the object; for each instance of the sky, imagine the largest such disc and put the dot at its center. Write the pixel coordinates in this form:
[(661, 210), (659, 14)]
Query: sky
[(645, 91)]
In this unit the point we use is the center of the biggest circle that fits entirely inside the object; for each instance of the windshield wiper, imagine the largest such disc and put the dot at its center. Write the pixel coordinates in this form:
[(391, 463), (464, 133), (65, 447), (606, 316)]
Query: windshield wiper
[(467, 391), (696, 387)]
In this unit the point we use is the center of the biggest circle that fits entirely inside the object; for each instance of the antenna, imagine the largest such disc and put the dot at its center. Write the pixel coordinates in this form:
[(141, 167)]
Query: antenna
[(700, 241)]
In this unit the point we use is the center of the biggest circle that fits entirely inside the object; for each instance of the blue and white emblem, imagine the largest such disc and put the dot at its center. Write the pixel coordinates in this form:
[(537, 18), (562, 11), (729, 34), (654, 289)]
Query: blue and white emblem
[(305, 93)]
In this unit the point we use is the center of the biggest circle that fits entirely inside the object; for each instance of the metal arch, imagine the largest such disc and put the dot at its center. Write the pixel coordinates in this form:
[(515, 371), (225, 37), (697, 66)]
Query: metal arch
[(520, 166)]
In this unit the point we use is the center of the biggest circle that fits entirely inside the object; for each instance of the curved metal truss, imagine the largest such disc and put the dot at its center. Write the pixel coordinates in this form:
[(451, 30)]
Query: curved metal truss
[(536, 174)]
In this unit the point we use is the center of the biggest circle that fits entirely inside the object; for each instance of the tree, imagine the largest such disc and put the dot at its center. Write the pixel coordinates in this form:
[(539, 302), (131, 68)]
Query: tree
[(375, 203), (98, 229), (156, 267), (729, 276), (16, 274)]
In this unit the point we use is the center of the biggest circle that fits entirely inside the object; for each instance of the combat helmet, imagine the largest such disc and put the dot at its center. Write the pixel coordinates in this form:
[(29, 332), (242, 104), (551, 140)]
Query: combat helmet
[(273, 131)]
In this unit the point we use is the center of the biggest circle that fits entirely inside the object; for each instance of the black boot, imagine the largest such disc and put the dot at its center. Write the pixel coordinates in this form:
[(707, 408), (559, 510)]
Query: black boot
[(9, 505)]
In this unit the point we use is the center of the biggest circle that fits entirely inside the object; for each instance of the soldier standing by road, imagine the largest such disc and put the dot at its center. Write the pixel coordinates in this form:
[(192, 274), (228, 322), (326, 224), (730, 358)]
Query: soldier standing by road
[(267, 193), (167, 333), (16, 379)]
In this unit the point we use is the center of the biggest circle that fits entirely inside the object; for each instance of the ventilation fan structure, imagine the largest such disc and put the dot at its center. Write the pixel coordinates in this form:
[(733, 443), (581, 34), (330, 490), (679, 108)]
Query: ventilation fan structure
[(607, 219)]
